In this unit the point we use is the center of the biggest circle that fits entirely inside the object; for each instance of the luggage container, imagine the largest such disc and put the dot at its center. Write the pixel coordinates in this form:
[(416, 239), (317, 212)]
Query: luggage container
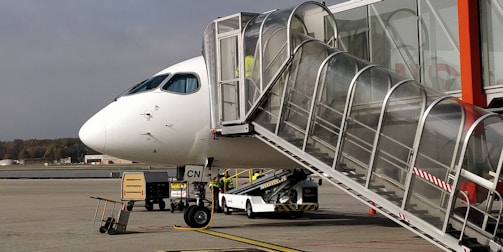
[(148, 186)]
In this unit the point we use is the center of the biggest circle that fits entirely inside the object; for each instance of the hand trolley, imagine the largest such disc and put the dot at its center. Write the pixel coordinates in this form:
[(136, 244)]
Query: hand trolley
[(114, 216)]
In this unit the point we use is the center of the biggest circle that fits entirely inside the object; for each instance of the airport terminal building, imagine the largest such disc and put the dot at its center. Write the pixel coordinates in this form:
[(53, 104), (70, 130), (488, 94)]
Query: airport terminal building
[(450, 45)]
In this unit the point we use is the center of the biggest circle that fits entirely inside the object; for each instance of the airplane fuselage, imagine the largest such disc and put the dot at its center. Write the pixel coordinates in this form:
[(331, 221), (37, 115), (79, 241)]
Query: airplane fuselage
[(160, 126)]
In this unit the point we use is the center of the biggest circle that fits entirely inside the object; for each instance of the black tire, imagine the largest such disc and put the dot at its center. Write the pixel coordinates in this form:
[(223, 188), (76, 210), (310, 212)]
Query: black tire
[(111, 231), (225, 208), (162, 205), (130, 205), (172, 207), (103, 230), (249, 210), (180, 206), (186, 214), (199, 216), (295, 214), (149, 205)]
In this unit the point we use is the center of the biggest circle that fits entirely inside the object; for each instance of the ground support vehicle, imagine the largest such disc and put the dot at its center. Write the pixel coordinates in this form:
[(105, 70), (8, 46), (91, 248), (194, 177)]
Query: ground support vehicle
[(148, 186), (114, 217), (286, 191), (179, 195)]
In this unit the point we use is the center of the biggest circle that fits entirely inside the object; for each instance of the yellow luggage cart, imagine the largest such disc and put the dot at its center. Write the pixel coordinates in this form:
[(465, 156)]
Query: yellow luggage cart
[(179, 195), (150, 186), (114, 216)]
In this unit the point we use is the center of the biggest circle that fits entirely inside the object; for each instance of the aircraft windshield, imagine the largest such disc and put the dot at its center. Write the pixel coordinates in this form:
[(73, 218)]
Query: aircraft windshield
[(148, 84), (182, 83)]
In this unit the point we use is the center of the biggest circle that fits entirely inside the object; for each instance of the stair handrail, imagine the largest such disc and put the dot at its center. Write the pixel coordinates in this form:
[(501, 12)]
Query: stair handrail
[(465, 220)]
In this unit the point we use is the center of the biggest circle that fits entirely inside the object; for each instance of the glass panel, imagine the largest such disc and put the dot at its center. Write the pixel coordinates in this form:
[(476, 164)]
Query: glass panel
[(228, 25), (268, 114), (440, 50), (229, 101), (300, 90), (185, 83), (274, 44), (394, 42), (253, 86), (228, 58), (335, 79), (149, 84), (309, 19), (368, 95), (492, 35), (405, 105), (436, 157), (484, 148), (352, 29)]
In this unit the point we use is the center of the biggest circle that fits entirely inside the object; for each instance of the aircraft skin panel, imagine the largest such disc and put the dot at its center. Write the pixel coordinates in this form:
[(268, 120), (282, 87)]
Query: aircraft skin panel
[(150, 137)]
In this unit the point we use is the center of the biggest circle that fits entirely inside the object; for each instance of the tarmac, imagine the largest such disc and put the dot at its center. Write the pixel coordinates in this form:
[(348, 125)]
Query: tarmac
[(57, 215)]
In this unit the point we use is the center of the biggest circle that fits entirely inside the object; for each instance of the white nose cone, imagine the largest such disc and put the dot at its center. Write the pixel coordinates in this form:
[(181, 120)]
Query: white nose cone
[(93, 133)]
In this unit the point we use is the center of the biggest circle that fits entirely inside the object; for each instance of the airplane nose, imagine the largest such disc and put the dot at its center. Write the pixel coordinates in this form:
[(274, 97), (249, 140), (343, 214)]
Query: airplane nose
[(93, 134)]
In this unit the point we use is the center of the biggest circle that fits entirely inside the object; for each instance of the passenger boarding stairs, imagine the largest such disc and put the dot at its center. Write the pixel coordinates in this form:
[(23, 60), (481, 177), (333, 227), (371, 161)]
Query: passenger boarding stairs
[(421, 158)]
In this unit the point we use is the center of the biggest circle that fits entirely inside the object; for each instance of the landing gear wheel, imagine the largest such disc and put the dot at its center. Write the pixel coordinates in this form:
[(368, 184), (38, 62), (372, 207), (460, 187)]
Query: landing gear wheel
[(149, 205), (249, 210), (225, 208), (130, 205), (199, 216), (162, 205), (186, 215)]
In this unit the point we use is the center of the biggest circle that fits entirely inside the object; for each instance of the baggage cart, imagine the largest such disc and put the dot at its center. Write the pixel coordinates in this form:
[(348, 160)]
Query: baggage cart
[(148, 186), (179, 195), (114, 217)]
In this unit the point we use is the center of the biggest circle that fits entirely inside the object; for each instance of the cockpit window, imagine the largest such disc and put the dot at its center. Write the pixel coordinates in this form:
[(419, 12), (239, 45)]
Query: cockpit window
[(182, 83), (148, 84)]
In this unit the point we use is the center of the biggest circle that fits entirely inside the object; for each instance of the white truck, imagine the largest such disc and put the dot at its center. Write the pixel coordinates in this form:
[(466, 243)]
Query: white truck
[(287, 191)]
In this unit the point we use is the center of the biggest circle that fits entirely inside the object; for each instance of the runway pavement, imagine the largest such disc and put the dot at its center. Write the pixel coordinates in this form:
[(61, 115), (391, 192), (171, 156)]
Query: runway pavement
[(57, 215)]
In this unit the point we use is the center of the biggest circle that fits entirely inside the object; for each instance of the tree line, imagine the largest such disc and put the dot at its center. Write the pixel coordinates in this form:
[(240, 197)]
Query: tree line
[(50, 149)]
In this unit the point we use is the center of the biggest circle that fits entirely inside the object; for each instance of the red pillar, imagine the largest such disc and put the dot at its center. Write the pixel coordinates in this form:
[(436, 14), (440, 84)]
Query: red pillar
[(470, 53)]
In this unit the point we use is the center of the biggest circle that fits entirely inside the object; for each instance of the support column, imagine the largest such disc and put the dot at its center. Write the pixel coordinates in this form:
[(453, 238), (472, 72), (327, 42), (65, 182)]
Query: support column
[(470, 53)]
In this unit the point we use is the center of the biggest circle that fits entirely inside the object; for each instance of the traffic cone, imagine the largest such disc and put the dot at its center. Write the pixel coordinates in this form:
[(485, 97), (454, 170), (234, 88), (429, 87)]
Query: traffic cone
[(372, 211)]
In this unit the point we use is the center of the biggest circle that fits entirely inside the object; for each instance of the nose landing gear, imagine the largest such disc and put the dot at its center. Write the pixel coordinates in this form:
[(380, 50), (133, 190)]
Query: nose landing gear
[(198, 215)]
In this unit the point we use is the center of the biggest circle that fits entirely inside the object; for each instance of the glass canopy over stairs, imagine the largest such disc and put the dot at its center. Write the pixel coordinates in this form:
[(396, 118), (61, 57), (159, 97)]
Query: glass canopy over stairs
[(422, 158)]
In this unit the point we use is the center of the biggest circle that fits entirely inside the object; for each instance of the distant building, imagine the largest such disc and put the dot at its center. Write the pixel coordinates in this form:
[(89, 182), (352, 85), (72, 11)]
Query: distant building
[(104, 159)]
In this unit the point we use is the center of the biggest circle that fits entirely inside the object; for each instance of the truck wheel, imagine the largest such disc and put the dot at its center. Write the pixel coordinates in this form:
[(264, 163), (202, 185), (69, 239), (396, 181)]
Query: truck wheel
[(149, 205), (225, 208), (172, 207), (249, 210), (111, 231), (162, 204), (186, 215), (199, 216), (103, 230)]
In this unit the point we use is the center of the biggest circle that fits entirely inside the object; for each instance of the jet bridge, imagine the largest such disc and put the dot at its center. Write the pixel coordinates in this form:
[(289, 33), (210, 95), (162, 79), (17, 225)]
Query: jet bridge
[(426, 160)]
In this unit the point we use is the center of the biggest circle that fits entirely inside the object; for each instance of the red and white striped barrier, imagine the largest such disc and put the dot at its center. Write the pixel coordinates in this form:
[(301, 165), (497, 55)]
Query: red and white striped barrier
[(438, 182)]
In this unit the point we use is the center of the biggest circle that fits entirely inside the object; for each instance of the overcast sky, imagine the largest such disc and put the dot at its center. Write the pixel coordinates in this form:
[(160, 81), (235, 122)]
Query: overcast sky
[(63, 60)]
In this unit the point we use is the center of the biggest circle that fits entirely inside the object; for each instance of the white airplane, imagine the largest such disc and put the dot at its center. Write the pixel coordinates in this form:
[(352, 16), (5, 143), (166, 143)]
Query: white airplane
[(166, 120)]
